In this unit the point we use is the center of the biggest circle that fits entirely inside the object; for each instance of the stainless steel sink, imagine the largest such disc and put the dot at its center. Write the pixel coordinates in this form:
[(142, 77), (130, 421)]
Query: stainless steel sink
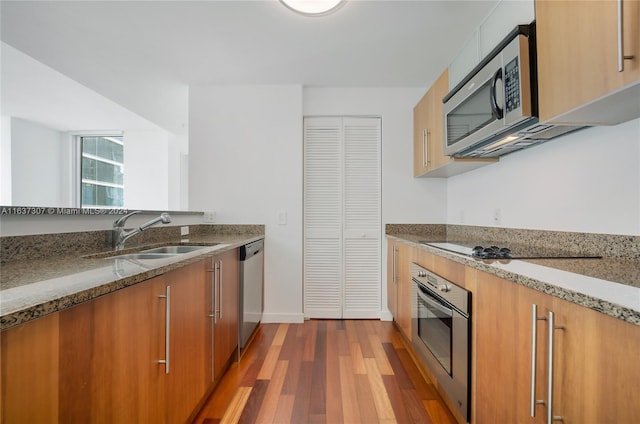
[(175, 250), (144, 255)]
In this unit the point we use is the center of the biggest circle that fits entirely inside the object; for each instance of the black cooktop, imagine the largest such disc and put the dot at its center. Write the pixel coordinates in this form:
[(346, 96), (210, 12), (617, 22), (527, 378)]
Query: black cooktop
[(489, 250)]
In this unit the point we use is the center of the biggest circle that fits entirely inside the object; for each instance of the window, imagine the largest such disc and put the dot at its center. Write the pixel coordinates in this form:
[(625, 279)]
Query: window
[(102, 171)]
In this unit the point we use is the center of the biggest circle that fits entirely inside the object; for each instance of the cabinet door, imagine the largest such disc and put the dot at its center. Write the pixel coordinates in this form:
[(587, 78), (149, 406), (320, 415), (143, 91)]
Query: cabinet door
[(118, 341), (595, 367), (29, 378), (577, 43), (404, 288), (225, 332), (421, 153), (392, 279), (187, 380), (504, 349), (428, 132)]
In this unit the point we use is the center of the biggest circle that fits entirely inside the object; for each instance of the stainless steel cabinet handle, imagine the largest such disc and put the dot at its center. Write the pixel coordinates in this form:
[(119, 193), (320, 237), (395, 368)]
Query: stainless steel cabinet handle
[(534, 350), (425, 147), (621, 56), (395, 265), (213, 290), (552, 327), (220, 288), (167, 328)]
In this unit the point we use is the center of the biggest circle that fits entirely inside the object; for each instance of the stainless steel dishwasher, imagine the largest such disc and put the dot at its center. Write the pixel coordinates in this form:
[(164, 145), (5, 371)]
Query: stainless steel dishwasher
[(251, 289)]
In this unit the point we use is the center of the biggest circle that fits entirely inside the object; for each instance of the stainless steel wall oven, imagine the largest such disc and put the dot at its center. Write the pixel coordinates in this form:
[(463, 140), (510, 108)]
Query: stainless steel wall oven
[(441, 333)]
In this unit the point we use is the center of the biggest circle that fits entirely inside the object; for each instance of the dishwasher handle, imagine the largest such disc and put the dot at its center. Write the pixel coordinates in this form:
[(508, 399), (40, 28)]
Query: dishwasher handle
[(250, 250)]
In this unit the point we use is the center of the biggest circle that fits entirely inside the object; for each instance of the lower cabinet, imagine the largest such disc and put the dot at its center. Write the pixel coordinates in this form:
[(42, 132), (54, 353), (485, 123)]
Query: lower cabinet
[(592, 359), (145, 353), (399, 285), (222, 304), (29, 372)]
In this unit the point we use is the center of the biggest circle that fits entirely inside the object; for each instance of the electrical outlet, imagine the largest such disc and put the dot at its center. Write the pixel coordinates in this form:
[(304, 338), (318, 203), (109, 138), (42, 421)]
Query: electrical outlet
[(209, 216), (184, 230), (497, 216)]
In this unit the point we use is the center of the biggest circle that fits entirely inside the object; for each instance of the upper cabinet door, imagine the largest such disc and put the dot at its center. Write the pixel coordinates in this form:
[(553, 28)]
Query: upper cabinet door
[(579, 79)]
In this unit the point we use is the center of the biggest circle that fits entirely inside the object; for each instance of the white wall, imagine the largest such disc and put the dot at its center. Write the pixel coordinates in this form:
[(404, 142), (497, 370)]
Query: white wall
[(5, 160), (146, 170), (587, 181), (39, 172), (245, 162)]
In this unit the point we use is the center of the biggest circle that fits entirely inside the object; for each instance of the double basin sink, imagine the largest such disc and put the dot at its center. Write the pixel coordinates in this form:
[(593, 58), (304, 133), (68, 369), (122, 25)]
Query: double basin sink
[(163, 252)]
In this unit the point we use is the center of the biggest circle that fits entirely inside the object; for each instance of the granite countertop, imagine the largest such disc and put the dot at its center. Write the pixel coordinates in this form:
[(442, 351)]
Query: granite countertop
[(607, 285), (30, 289)]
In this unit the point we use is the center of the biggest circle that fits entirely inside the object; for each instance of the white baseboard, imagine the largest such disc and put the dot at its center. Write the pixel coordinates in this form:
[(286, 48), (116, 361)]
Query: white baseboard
[(386, 316), (268, 318)]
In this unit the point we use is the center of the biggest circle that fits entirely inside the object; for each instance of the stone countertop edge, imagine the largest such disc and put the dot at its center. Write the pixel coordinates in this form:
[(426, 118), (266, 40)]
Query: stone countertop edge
[(48, 303), (583, 299)]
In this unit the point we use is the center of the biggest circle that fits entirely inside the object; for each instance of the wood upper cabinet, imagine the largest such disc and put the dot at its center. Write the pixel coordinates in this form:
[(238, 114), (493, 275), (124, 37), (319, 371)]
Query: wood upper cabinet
[(428, 131), (399, 285), (578, 61), (596, 375), (222, 304), (429, 159)]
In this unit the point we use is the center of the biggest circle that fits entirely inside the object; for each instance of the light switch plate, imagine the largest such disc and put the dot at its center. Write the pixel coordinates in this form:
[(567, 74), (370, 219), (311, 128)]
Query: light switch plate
[(282, 218), (184, 230), (209, 216)]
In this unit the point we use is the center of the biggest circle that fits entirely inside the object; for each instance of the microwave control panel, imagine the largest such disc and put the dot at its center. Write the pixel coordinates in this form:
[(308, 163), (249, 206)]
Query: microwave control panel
[(512, 85)]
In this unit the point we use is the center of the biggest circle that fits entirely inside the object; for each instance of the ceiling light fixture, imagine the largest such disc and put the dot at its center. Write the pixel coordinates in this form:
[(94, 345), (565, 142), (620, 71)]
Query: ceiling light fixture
[(313, 7)]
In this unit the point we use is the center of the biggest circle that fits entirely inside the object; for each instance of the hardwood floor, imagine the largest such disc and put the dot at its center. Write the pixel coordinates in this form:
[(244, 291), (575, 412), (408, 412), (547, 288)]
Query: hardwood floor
[(325, 371)]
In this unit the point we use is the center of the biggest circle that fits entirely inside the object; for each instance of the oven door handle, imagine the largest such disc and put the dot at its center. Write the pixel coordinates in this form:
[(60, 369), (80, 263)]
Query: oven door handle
[(424, 295)]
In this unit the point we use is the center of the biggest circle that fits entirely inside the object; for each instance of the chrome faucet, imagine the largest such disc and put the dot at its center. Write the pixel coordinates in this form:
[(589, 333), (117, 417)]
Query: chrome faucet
[(120, 235)]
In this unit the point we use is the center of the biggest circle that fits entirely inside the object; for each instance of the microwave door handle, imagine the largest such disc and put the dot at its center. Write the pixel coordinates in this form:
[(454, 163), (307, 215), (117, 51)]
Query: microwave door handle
[(498, 113)]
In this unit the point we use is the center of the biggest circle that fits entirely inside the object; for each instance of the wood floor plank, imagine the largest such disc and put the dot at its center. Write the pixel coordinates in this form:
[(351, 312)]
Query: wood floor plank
[(348, 390), (404, 381), (236, 406), (366, 403), (270, 362), (310, 341), (300, 411), (395, 394), (381, 356), (333, 405), (318, 401), (424, 387), (415, 407), (358, 359), (278, 339), (285, 409), (267, 411), (254, 402), (380, 395)]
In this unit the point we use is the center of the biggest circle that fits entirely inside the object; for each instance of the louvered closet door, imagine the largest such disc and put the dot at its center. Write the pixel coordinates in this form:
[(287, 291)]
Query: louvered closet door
[(322, 218), (342, 217), (361, 218)]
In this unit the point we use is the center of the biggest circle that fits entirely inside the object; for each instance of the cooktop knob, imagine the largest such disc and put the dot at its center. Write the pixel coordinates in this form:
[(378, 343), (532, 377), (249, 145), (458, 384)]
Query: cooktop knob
[(444, 288)]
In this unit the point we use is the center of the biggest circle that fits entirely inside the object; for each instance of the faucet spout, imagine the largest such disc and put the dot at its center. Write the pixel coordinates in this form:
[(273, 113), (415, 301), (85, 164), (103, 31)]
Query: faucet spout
[(120, 235)]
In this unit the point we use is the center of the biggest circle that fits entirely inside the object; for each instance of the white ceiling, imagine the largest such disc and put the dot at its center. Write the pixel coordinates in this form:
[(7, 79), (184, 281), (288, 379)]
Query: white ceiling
[(144, 55)]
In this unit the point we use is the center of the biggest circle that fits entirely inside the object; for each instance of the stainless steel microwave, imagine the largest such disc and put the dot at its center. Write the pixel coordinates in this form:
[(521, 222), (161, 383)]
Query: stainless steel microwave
[(493, 111)]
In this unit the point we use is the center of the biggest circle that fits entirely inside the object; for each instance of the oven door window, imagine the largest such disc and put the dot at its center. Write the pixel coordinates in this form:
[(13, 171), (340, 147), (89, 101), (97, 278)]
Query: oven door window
[(435, 327)]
